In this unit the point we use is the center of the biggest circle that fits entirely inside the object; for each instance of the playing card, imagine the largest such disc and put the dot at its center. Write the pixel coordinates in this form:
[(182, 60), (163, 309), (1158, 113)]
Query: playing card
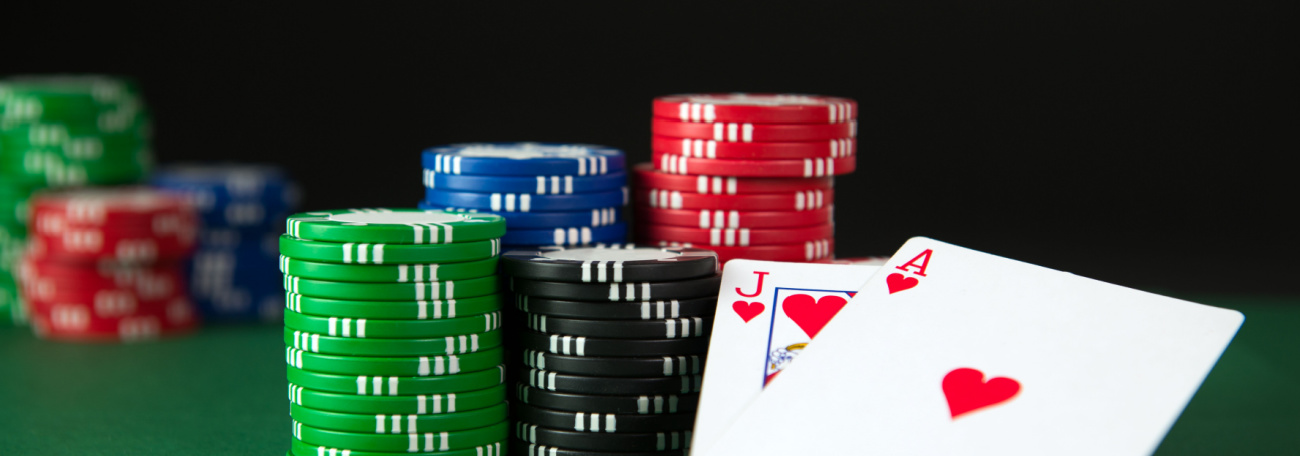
[(767, 313), (947, 350)]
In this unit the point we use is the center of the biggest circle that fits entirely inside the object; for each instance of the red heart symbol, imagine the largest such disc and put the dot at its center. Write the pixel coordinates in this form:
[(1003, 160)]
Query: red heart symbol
[(967, 391), (747, 310), (897, 282), (812, 315)]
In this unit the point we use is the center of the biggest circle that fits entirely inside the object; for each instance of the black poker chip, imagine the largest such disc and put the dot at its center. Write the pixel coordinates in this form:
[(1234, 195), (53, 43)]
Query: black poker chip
[(602, 441), (602, 264), (644, 310), (642, 405), (603, 422), (628, 291), (564, 344), (664, 366), (673, 328), (610, 386), (522, 448)]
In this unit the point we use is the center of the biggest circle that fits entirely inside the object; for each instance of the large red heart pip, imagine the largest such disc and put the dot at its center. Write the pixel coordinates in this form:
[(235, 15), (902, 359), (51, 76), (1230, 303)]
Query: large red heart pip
[(967, 391), (747, 310), (898, 282), (811, 315)]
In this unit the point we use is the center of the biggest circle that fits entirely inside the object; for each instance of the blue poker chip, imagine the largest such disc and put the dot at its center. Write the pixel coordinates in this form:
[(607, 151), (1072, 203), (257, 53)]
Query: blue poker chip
[(537, 185), (231, 195), (524, 159), (526, 202), (543, 220), (240, 283), (572, 236)]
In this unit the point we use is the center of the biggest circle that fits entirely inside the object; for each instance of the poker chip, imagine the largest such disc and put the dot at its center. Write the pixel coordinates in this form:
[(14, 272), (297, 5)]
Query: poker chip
[(648, 177), (554, 381), (445, 405), (708, 148), (423, 441), (666, 366), (526, 202), (739, 237), (627, 291), (610, 265), (398, 424), (806, 168), (755, 107), (300, 448), (523, 159), (674, 199), (564, 344), (603, 422), (806, 251), (544, 220), (641, 405), (349, 387), (421, 366), (570, 236), (656, 441), (394, 273), (446, 345), (362, 328), (394, 226), (372, 253), (754, 132), (673, 328), (537, 185), (733, 219), (522, 448), (644, 310), (394, 310), (410, 291)]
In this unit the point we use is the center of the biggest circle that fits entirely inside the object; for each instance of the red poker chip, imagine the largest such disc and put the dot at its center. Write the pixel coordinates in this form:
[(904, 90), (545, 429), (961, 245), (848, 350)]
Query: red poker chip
[(795, 201), (91, 244), (804, 251), (755, 107), (76, 322), (49, 281), (737, 237), (127, 209), (647, 176), (752, 132), (709, 218), (807, 167), (708, 148)]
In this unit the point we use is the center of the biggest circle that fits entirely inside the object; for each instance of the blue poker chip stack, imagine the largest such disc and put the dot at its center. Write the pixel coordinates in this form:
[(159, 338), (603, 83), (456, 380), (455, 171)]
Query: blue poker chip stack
[(549, 194), (233, 274)]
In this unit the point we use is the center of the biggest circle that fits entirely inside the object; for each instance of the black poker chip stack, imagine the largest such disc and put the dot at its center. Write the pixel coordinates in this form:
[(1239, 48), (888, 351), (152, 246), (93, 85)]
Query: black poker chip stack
[(610, 345)]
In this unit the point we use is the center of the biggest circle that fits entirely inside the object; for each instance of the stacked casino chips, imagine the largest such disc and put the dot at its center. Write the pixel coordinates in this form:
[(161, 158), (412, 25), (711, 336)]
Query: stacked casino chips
[(550, 194), (613, 347), (392, 332), (746, 175), (56, 131), (233, 273), (106, 264)]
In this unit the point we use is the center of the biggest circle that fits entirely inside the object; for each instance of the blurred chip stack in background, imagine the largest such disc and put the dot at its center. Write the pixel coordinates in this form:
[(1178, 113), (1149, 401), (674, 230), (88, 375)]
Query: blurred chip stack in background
[(549, 194), (746, 175), (62, 131), (105, 264), (234, 272)]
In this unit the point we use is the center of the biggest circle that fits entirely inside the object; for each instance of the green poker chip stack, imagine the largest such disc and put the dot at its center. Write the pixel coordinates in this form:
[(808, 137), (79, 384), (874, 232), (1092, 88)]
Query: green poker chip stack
[(392, 332), (56, 131)]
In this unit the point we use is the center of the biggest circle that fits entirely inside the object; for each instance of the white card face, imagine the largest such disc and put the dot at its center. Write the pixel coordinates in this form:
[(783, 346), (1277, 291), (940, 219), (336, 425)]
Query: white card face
[(952, 351), (767, 313)]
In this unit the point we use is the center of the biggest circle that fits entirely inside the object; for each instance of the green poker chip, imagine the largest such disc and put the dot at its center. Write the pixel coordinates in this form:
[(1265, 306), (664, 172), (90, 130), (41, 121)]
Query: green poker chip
[(426, 442), (104, 101), (397, 423), (418, 366), (395, 226), (448, 345), (363, 328), (380, 385), (300, 448), (485, 396), (388, 273), (367, 253), (417, 291), (394, 310)]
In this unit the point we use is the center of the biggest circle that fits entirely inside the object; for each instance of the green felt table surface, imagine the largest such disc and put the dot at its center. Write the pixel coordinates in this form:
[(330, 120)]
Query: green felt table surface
[(222, 391)]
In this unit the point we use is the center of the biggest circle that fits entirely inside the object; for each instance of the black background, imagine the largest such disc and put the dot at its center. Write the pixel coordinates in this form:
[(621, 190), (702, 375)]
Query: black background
[(1141, 143)]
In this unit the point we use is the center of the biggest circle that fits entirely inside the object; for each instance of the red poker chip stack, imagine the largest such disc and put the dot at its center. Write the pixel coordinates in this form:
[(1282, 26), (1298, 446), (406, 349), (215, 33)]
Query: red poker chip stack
[(106, 264), (746, 175)]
